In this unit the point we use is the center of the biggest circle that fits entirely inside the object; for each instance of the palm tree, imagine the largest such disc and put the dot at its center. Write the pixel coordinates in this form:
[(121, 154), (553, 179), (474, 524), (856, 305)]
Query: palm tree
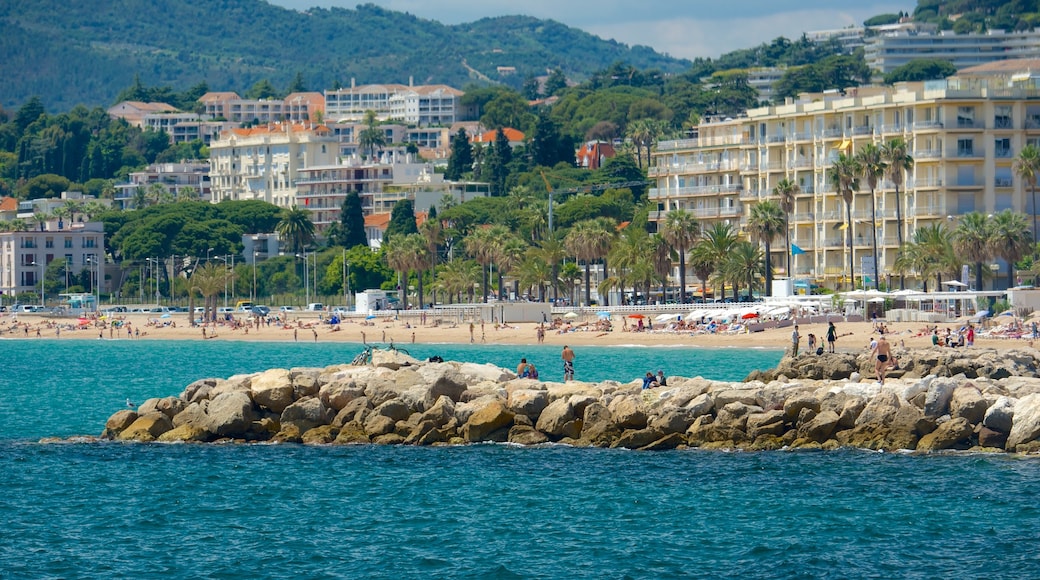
[(459, 276), (370, 137), (551, 250), (534, 272), (896, 155), (432, 231), (872, 167), (661, 257), (680, 231), (415, 249), (1027, 166), (397, 254), (630, 261), (703, 263), (786, 190), (744, 266), (930, 253), (508, 256), (845, 178), (481, 245), (208, 279), (719, 239), (1010, 239), (296, 228), (764, 225), (588, 240), (973, 241)]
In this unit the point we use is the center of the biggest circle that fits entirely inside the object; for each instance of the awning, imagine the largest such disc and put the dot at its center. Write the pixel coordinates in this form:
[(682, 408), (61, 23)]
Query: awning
[(845, 144)]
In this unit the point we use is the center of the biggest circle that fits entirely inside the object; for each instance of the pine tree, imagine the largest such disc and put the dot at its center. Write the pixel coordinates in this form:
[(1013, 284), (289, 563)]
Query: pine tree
[(353, 220), (402, 221), (461, 160)]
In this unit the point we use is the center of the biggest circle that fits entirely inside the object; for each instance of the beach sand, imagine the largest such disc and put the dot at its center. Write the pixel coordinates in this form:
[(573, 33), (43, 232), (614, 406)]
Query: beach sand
[(853, 336)]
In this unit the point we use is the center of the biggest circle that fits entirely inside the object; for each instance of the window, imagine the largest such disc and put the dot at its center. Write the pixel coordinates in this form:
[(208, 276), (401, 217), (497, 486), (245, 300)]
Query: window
[(966, 176), (1002, 177), (1002, 117), (1002, 147), (965, 116), (965, 147)]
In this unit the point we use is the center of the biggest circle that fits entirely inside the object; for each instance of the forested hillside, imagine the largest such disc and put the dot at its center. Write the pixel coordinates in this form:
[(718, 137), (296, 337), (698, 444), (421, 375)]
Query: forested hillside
[(72, 53)]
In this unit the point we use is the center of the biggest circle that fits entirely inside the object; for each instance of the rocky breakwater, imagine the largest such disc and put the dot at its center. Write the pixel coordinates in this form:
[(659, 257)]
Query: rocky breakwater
[(399, 400)]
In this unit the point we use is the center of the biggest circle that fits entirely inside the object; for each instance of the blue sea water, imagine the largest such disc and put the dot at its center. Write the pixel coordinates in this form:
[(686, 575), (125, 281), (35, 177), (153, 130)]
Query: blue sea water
[(111, 510)]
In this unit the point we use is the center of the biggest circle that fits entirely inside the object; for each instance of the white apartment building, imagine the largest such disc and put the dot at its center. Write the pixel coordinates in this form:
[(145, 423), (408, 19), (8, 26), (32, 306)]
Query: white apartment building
[(24, 256), (174, 178), (425, 105), (894, 48), (964, 134), (263, 162)]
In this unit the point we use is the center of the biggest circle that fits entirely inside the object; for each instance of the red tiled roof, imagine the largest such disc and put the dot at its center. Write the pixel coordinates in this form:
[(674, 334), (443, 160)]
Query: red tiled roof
[(278, 128), (8, 204), (513, 135)]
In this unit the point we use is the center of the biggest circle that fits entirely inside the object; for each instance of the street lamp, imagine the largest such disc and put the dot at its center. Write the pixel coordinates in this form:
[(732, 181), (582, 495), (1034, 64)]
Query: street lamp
[(346, 280), (97, 280), (43, 298), (252, 295), (224, 259), (155, 272)]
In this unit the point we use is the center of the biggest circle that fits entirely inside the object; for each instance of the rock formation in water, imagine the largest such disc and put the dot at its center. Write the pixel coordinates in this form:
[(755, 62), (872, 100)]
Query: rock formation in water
[(941, 399)]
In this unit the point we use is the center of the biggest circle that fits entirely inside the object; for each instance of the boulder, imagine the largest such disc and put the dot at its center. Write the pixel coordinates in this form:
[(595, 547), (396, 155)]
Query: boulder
[(937, 403), (765, 423), (394, 409), (1000, 416), (490, 418), (672, 420), (198, 390), (528, 402), (555, 416), (524, 435), (228, 414), (746, 396), (307, 414), (636, 438), (356, 410), (1026, 425), (392, 359), (967, 401), (670, 441), (820, 428), (628, 413), (185, 434), (992, 439), (351, 433), (169, 406), (272, 390), (338, 394), (118, 422), (952, 433), (440, 413), (700, 405), (147, 427), (598, 426), (305, 382), (443, 379), (377, 425), (794, 406), (320, 435)]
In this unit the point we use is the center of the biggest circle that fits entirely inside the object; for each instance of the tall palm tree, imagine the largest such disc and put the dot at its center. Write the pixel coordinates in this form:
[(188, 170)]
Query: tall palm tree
[(661, 256), (296, 229), (764, 225), (845, 178), (872, 167), (508, 256), (458, 276), (433, 234), (371, 136), (973, 241), (418, 260), (896, 153), (703, 264), (552, 250), (1027, 166), (681, 230), (397, 255), (481, 245), (588, 240), (785, 191), (930, 252), (1010, 239), (719, 239), (208, 279), (534, 272), (744, 266)]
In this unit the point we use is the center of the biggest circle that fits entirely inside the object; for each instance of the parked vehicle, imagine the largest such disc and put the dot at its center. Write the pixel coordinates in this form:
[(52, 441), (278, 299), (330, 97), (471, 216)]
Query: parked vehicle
[(287, 309), (315, 307), (261, 310)]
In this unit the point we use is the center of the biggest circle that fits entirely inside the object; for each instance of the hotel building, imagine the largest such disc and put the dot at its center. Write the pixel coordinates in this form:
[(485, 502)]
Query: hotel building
[(25, 255), (963, 134)]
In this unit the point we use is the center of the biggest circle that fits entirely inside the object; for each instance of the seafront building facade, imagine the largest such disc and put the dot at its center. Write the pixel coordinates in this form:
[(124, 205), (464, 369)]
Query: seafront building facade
[(963, 134), (25, 255), (424, 105), (891, 49)]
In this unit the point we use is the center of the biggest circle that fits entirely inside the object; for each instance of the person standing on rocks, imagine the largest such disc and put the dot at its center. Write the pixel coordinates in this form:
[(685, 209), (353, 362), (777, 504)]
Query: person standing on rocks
[(795, 337), (882, 355), (832, 336), (568, 363)]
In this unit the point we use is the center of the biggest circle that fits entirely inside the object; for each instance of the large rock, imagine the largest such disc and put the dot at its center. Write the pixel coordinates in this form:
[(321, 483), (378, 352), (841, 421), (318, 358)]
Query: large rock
[(118, 422), (338, 394), (394, 409), (377, 425), (952, 433), (229, 414), (1026, 426), (637, 438), (529, 402), (392, 359), (672, 420), (147, 427), (493, 417), (440, 413), (765, 423), (629, 413), (937, 403), (524, 435), (793, 406), (168, 406), (967, 401), (185, 434), (443, 379), (272, 390), (1000, 416), (198, 390), (553, 419), (821, 427), (700, 405), (307, 414), (598, 426)]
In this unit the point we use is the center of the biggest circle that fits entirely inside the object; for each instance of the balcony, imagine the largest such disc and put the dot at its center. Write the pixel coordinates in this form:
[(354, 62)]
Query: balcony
[(832, 133), (968, 124), (776, 139), (1003, 153), (928, 154), (927, 211), (803, 136), (865, 130), (896, 128), (1003, 123), (926, 125), (1003, 182), (968, 153), (926, 182)]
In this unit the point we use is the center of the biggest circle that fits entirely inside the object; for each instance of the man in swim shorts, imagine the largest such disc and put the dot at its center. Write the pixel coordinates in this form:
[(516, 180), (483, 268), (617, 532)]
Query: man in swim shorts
[(882, 354), (568, 363)]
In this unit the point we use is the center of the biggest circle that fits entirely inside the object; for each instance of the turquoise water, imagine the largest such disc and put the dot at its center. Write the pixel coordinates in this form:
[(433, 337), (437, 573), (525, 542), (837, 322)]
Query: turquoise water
[(113, 510)]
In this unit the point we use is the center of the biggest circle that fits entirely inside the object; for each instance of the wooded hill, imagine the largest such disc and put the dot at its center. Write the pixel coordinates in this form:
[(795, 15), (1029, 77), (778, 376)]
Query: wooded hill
[(73, 53)]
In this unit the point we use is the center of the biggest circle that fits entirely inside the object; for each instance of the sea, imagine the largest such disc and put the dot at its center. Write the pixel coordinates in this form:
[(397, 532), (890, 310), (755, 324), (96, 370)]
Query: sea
[(126, 510)]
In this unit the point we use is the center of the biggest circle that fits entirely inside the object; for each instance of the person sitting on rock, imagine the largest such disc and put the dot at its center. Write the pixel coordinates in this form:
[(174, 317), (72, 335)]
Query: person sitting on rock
[(649, 381)]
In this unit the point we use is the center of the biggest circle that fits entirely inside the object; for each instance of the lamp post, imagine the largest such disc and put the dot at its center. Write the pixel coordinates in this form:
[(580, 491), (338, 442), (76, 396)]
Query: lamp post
[(346, 280), (252, 295), (224, 259), (43, 299), (97, 280)]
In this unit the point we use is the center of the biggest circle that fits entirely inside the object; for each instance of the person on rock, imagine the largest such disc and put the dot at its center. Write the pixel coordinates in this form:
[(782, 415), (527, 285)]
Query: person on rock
[(882, 356)]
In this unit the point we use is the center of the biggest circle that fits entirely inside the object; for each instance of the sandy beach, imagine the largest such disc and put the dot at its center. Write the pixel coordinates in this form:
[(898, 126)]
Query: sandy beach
[(853, 336)]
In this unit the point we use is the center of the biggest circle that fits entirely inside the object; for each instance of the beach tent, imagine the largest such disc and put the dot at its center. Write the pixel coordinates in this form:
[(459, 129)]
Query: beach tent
[(571, 314), (666, 317)]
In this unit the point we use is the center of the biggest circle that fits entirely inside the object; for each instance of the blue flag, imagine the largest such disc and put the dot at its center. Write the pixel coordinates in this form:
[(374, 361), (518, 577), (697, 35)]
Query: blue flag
[(795, 250)]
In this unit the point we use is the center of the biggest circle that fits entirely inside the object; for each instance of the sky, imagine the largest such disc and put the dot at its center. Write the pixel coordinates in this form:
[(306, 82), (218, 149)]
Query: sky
[(680, 28)]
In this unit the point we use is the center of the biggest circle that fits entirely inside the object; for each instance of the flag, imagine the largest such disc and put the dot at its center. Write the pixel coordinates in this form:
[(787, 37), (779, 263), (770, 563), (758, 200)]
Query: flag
[(795, 250)]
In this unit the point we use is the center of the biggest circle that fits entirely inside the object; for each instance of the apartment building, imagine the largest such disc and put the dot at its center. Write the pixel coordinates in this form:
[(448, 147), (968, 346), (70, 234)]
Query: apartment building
[(964, 134), (424, 105), (25, 255), (263, 162), (296, 108), (178, 180), (891, 49)]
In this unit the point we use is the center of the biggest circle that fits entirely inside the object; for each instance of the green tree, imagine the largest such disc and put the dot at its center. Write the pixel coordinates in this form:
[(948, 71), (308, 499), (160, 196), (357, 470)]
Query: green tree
[(262, 89), (921, 69), (556, 82), (845, 178), (461, 160), (371, 136), (1027, 167), (896, 154), (1010, 240), (352, 219), (297, 85), (508, 109), (481, 245), (719, 241), (973, 241), (589, 241), (785, 191), (929, 253), (296, 229), (680, 231), (744, 267), (873, 167), (765, 224), (547, 146), (402, 220)]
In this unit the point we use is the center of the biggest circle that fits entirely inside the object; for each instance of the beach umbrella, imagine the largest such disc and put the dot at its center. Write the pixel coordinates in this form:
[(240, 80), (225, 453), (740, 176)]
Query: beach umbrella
[(83, 321), (370, 317), (165, 316), (571, 314), (877, 300), (982, 314), (637, 316), (664, 317), (1006, 313), (749, 315), (603, 314)]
